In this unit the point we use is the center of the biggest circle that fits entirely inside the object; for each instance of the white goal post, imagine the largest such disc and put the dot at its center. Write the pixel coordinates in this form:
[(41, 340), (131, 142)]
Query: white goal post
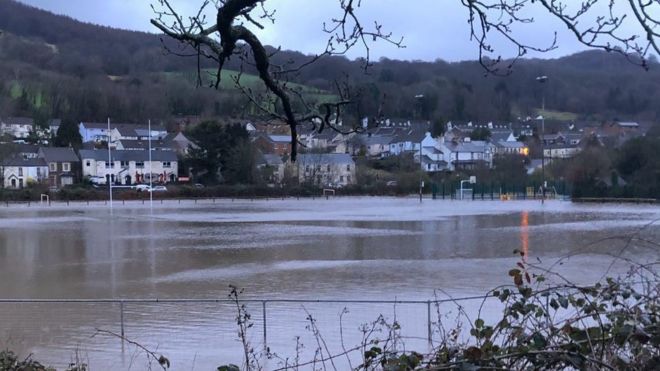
[(45, 198), (327, 192)]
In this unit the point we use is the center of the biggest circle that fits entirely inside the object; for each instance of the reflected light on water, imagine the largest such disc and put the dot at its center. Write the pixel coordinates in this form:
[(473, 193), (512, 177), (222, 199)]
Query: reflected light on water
[(524, 234)]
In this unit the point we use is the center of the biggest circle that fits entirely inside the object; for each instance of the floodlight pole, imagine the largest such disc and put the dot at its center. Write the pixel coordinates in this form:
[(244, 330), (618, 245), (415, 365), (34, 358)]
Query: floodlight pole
[(542, 80), (151, 189), (109, 166)]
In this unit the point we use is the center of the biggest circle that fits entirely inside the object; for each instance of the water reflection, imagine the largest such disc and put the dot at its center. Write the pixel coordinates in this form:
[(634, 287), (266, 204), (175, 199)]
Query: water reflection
[(524, 234)]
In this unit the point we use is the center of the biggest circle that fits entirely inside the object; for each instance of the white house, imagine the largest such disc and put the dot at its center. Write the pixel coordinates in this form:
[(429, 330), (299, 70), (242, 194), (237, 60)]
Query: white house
[(98, 131), (130, 167), (326, 169), (19, 172), (434, 155), (409, 140), (560, 150), (469, 154), (17, 127)]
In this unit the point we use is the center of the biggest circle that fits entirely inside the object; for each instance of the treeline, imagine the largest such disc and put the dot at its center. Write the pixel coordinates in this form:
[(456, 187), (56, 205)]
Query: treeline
[(54, 66)]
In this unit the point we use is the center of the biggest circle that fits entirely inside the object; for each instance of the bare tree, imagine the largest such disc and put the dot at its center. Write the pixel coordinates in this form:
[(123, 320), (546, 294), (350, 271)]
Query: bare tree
[(595, 23)]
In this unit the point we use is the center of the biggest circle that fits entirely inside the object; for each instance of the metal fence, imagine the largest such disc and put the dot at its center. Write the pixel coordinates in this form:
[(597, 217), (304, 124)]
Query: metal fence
[(426, 306)]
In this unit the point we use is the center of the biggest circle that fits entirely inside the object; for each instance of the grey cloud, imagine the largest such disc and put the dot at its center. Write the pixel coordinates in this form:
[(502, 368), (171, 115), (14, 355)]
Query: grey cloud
[(432, 29)]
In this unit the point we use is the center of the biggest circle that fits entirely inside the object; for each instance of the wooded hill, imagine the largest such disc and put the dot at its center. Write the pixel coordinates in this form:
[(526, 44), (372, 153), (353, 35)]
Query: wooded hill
[(55, 66)]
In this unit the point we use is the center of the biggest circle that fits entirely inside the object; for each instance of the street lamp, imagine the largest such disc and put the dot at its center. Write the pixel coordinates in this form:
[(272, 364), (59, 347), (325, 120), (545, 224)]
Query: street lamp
[(542, 80)]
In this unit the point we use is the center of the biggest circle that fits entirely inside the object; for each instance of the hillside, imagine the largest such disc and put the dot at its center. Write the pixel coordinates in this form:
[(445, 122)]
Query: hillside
[(55, 66)]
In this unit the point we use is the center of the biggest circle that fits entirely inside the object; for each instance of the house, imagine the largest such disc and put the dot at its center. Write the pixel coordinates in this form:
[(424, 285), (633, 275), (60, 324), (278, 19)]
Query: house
[(98, 131), (432, 156), (377, 146), (17, 127), (408, 140), (326, 169), (469, 154), (54, 126), (19, 172), (271, 166), (130, 167), (504, 147), (560, 150), (63, 166), (179, 143), (271, 143)]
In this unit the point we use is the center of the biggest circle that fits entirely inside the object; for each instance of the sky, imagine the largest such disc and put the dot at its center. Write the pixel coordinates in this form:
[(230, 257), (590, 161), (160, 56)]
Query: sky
[(431, 29)]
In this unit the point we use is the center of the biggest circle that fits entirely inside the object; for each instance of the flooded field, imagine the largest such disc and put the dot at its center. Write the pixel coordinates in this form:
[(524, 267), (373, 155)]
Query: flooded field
[(279, 251)]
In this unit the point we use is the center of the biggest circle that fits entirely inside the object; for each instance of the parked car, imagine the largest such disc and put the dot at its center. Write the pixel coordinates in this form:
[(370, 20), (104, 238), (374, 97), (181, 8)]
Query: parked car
[(97, 180), (392, 183), (159, 188), (142, 187), (198, 185)]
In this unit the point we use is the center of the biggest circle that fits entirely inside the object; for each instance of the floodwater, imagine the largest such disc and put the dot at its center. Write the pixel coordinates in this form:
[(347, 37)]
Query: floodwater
[(350, 249)]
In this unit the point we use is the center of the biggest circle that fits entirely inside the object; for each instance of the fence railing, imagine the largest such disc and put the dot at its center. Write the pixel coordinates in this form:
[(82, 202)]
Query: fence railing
[(123, 303)]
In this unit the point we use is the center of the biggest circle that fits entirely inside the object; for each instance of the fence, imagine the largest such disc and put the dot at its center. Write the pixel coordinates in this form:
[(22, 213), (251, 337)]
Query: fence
[(122, 304)]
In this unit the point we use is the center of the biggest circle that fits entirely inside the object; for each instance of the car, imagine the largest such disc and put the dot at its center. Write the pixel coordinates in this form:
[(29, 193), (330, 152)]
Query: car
[(142, 187), (198, 185), (392, 183), (97, 180), (159, 188)]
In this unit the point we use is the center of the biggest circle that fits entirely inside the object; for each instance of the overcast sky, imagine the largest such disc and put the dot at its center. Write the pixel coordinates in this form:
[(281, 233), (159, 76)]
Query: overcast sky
[(432, 29)]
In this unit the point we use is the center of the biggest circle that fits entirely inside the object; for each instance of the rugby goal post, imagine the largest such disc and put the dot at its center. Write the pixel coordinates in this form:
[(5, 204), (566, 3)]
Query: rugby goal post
[(45, 198), (327, 192)]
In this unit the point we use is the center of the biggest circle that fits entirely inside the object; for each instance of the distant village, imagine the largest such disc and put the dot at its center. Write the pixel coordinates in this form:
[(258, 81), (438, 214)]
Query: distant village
[(131, 154)]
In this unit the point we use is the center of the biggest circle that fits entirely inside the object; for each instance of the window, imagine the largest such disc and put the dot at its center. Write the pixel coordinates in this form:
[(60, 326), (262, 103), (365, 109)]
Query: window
[(341, 178), (139, 164), (307, 169), (124, 164), (167, 164), (348, 167), (109, 165), (88, 163), (66, 166), (328, 167), (20, 171), (52, 166)]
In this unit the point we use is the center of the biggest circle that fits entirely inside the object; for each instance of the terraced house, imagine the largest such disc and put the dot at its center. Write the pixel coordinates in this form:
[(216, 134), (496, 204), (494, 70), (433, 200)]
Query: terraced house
[(129, 167), (63, 166)]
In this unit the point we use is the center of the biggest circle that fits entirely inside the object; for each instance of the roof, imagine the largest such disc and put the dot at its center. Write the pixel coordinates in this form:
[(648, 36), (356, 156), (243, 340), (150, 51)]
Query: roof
[(411, 135), (280, 138), (119, 155), (122, 127), (54, 122), (505, 144), (17, 121), (325, 158), (143, 144), (24, 162), (58, 154), (24, 148), (376, 139), (500, 135), (472, 146)]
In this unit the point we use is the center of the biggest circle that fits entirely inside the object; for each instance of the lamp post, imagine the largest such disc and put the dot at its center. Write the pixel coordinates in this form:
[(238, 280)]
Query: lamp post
[(542, 80)]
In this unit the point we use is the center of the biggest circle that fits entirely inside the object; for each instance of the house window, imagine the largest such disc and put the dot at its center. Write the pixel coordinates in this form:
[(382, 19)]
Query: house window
[(328, 167), (139, 164), (52, 166), (66, 166), (341, 178), (348, 167), (307, 168), (88, 163), (20, 171), (167, 164), (124, 164), (109, 165)]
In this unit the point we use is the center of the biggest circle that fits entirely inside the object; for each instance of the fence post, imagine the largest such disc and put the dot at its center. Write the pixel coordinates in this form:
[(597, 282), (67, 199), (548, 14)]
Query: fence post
[(121, 319), (428, 321), (263, 311)]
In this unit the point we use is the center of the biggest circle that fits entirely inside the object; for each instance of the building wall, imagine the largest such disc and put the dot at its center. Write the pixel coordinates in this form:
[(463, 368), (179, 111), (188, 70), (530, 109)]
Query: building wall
[(26, 174), (18, 131), (92, 168), (324, 174)]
